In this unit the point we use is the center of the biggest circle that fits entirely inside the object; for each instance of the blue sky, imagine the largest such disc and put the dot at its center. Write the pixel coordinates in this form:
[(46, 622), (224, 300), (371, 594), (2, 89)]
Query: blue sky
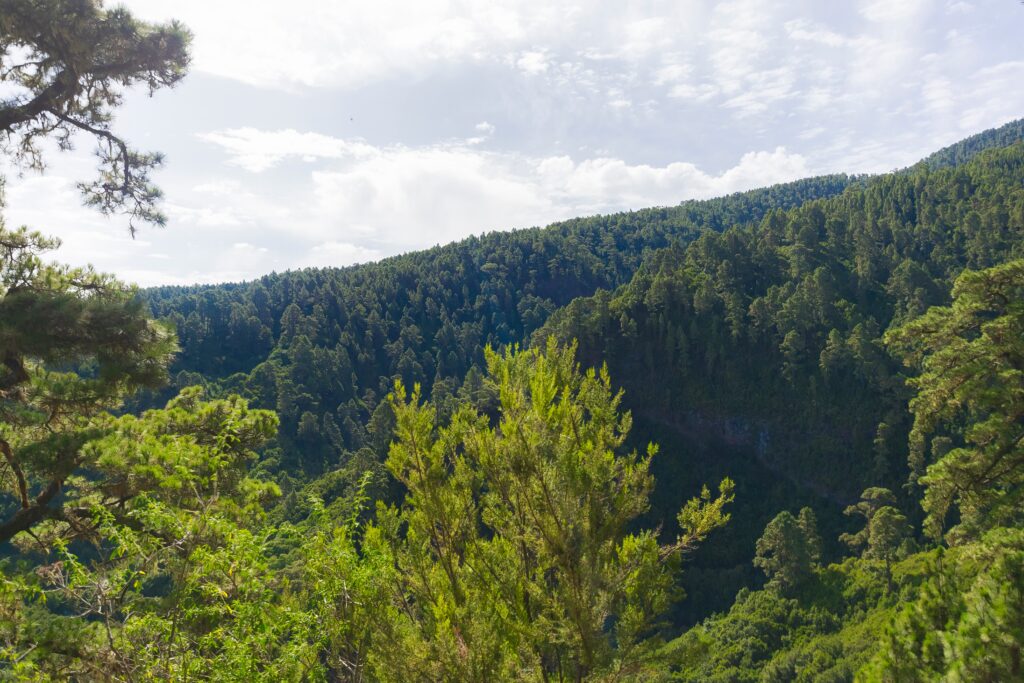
[(329, 133)]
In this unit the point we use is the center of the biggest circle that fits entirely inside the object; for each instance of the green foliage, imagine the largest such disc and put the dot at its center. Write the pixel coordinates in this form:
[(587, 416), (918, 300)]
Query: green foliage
[(323, 347), (73, 343), (960, 619), (887, 530), (825, 632), (788, 550), (886, 534), (871, 501), (971, 388), (156, 576), (698, 337), (966, 623), (70, 62), (963, 150), (514, 559), (496, 521), (511, 557), (779, 326)]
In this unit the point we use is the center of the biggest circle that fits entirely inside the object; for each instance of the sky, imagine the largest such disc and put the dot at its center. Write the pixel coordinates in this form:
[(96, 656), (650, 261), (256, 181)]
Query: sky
[(327, 133)]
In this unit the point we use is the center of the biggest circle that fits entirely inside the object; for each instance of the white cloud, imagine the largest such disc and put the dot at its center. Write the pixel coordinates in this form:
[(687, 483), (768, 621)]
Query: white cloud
[(52, 205), (762, 90), (203, 216), (893, 11), (993, 96), (812, 133), (395, 198), (658, 102), (485, 129), (532, 62), (645, 36), (801, 29), (696, 93), (256, 150), (306, 43), (674, 70), (598, 185), (755, 57), (311, 43), (336, 254), (407, 198)]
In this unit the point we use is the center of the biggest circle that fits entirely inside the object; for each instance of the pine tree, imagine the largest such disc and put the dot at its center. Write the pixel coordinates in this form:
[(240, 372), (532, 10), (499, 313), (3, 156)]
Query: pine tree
[(73, 343), (788, 550), (516, 555), (971, 387), (74, 59), (871, 501)]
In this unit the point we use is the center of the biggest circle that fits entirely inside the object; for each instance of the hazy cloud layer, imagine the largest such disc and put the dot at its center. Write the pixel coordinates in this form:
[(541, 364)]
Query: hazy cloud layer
[(314, 133), (381, 194)]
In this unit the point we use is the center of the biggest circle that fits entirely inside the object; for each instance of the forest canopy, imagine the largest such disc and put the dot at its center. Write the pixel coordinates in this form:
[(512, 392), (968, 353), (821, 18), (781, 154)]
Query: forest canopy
[(773, 436)]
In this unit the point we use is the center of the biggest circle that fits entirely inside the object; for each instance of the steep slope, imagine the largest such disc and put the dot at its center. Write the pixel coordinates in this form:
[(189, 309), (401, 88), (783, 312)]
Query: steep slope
[(759, 348), (720, 345), (323, 346), (795, 308)]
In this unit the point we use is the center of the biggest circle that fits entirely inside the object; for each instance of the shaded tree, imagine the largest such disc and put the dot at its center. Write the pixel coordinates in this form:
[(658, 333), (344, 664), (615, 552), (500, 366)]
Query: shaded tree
[(788, 550), (871, 501)]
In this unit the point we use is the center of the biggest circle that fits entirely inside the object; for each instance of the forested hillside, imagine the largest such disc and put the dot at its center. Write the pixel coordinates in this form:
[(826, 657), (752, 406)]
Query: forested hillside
[(752, 353), (965, 149), (942, 605), (775, 436), (756, 352), (401, 470), (796, 307), (779, 275), (322, 347)]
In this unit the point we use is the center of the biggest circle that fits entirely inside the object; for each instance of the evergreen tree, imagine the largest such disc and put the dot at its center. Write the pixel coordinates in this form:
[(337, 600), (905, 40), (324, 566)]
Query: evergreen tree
[(168, 511), (808, 523), (967, 621), (888, 531), (788, 550), (74, 59), (971, 387), (871, 501), (73, 343), (512, 550)]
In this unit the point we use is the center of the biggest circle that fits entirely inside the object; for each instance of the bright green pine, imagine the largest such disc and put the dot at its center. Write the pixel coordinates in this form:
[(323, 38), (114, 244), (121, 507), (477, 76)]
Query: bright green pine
[(513, 552)]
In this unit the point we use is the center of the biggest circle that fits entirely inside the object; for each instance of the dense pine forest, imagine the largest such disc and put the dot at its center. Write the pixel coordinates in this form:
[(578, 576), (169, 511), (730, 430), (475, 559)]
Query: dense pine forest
[(773, 436)]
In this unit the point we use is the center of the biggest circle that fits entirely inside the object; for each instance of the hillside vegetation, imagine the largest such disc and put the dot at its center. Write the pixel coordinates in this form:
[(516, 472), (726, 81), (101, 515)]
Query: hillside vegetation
[(775, 436)]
